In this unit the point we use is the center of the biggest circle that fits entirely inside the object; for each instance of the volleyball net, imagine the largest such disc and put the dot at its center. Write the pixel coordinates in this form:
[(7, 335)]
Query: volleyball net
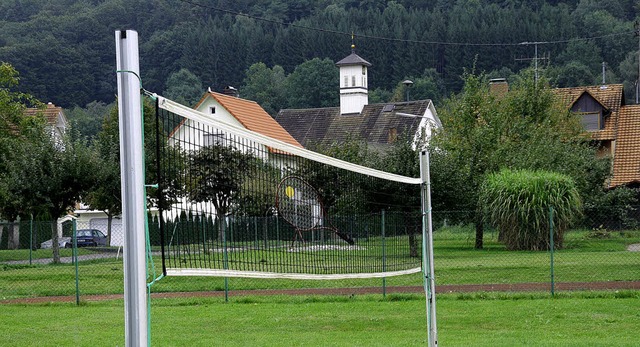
[(237, 203)]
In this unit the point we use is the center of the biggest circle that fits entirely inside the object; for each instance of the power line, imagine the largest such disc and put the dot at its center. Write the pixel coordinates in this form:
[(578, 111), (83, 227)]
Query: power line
[(391, 39)]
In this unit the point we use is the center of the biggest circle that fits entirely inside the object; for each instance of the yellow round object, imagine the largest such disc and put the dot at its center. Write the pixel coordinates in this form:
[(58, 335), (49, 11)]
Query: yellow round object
[(289, 191)]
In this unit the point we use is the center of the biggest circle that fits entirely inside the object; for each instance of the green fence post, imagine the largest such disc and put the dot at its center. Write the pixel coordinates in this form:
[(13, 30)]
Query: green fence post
[(384, 259), (225, 257), (75, 261), (551, 249), (31, 239)]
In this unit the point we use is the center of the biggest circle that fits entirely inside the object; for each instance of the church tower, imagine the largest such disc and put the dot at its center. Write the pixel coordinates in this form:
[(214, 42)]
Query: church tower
[(354, 94)]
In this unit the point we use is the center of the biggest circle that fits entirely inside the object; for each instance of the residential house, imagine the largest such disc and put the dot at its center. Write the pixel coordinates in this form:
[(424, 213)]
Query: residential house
[(57, 122), (235, 111), (612, 125), (378, 124)]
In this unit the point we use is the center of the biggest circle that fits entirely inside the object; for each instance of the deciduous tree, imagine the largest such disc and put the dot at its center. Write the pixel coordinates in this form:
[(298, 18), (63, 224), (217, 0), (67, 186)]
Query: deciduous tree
[(217, 174)]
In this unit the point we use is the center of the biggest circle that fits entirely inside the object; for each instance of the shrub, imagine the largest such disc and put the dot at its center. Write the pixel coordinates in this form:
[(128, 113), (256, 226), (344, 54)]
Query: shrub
[(518, 203)]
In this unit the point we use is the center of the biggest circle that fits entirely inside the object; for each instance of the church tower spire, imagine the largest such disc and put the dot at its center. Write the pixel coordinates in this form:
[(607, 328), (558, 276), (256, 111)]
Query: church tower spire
[(354, 92)]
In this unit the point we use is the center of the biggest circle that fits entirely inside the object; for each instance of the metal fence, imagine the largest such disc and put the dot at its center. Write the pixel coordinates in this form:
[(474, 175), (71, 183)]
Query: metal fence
[(602, 251)]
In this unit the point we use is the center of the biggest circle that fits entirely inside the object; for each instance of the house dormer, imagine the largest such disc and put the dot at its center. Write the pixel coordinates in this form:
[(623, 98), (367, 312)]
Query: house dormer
[(354, 92), (597, 108), (591, 111)]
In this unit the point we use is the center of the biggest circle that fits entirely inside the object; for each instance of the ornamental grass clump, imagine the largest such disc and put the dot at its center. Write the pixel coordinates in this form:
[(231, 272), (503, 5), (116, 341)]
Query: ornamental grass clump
[(518, 203)]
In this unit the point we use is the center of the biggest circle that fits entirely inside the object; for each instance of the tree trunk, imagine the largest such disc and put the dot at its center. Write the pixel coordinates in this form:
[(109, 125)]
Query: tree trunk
[(413, 244), (221, 229), (54, 242), (265, 231), (1, 231), (479, 229), (109, 220), (13, 239)]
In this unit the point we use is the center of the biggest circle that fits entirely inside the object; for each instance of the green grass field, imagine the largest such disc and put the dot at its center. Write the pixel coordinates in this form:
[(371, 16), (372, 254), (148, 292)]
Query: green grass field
[(479, 319), (483, 319)]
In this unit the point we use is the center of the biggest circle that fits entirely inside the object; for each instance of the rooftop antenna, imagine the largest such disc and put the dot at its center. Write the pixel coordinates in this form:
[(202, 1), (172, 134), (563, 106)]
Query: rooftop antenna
[(603, 74), (535, 58)]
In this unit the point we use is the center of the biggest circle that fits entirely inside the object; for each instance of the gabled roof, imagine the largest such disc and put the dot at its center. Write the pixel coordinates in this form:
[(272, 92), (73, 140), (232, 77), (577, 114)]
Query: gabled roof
[(50, 113), (327, 125), (610, 96), (353, 59), (251, 116), (626, 163)]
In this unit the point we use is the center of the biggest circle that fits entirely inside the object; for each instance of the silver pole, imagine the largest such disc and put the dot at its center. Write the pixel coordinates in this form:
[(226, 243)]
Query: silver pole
[(536, 60), (427, 250), (133, 204)]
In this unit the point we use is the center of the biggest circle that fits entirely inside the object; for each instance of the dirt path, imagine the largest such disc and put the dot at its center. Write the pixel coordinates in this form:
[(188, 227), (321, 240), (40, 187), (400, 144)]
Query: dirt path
[(69, 260), (65, 260), (465, 288)]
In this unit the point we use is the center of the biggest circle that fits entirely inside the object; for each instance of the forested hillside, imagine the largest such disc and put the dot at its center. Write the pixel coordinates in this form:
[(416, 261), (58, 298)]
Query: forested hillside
[(64, 49)]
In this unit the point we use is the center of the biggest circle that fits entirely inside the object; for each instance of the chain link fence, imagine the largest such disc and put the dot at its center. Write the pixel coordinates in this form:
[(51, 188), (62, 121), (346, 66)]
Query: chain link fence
[(602, 251)]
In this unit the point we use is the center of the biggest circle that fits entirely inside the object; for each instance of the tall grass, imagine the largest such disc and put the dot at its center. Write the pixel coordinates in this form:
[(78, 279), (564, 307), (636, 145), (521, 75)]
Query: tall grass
[(518, 203)]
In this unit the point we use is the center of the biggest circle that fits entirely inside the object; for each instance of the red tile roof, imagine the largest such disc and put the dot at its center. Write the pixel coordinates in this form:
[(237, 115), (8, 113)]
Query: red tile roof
[(50, 113), (626, 162), (252, 116)]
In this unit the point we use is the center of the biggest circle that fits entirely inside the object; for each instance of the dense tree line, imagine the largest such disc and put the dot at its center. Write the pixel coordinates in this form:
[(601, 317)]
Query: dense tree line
[(64, 49)]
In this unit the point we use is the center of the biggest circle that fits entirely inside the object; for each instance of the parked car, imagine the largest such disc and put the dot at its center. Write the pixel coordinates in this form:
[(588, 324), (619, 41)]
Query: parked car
[(85, 238), (90, 238), (63, 242)]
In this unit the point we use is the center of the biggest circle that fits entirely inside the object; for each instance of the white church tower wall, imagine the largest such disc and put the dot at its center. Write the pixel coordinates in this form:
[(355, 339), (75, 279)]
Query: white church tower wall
[(354, 92)]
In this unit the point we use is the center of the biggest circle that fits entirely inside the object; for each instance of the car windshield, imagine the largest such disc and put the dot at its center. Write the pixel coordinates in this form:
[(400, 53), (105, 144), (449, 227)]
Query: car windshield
[(84, 233)]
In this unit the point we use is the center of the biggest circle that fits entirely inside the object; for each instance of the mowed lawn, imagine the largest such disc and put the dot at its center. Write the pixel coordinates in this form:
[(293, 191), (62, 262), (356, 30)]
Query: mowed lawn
[(482, 319)]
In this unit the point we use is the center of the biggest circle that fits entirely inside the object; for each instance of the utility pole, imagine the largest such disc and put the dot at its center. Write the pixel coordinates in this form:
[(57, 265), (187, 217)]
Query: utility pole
[(535, 58), (637, 32)]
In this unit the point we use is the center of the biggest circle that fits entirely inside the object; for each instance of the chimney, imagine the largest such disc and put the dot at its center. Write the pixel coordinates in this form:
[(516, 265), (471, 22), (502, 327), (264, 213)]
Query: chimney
[(231, 91), (498, 86)]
